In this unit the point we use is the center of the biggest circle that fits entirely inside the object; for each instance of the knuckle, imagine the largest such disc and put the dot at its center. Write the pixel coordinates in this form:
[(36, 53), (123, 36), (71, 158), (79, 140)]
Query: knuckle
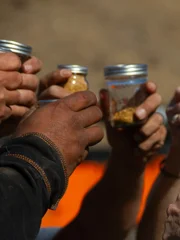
[(14, 61), (18, 77), (144, 147), (163, 131), (32, 97), (158, 118), (35, 80), (158, 98), (52, 89), (97, 113), (2, 96), (86, 97)]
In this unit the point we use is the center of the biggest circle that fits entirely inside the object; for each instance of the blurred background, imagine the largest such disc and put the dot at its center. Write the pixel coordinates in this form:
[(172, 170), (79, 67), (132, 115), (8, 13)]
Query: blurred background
[(99, 32)]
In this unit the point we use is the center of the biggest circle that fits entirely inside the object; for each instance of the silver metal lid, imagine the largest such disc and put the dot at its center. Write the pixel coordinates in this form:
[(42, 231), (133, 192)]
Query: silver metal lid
[(126, 70), (75, 68), (15, 47)]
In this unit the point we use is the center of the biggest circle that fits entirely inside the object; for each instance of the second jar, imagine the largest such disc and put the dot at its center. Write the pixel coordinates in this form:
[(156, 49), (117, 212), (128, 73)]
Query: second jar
[(125, 93), (78, 81)]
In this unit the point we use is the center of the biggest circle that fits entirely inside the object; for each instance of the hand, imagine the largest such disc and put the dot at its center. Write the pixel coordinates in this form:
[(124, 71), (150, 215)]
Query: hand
[(18, 90), (143, 141), (51, 85), (172, 224), (173, 114), (172, 163), (68, 123)]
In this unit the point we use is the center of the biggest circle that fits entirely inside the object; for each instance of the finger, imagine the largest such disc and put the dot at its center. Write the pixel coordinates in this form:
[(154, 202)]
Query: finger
[(14, 80), (152, 125), (29, 81), (80, 100), (150, 87), (142, 93), (19, 111), (9, 62), (95, 134), (54, 78), (157, 137), (5, 112), (173, 210), (54, 92), (20, 97), (148, 106), (172, 111), (32, 66), (89, 116), (176, 97), (104, 102)]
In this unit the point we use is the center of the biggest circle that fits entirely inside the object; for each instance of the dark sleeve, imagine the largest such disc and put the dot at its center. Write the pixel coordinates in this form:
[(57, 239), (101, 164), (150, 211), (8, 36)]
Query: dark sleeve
[(32, 179)]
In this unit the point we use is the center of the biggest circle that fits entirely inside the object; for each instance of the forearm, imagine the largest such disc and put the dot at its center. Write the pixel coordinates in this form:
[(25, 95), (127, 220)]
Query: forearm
[(30, 183), (164, 192), (109, 210)]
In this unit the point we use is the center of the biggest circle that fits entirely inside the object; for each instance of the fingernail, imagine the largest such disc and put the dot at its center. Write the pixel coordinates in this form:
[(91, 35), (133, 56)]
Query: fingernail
[(65, 73), (28, 68), (141, 113), (151, 85)]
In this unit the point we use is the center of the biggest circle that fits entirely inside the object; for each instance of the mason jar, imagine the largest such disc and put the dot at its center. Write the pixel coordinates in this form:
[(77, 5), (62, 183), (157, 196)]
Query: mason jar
[(22, 50), (124, 82), (78, 81)]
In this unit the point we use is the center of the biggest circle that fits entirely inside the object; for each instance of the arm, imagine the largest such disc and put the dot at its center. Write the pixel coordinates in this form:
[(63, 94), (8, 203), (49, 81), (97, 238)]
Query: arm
[(167, 185), (164, 192), (110, 209), (31, 181)]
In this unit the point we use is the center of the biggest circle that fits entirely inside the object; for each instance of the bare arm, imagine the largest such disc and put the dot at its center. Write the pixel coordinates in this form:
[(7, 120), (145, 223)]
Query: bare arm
[(167, 186), (109, 210)]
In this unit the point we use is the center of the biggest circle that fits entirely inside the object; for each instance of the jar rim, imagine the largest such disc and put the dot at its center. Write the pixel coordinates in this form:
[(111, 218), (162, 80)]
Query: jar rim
[(12, 46), (126, 70), (77, 69)]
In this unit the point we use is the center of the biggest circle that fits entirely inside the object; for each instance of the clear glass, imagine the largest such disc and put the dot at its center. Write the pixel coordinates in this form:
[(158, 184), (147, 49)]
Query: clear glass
[(76, 83), (125, 95)]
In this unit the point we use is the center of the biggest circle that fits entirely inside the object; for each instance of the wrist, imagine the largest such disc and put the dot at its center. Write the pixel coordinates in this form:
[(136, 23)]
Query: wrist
[(128, 158)]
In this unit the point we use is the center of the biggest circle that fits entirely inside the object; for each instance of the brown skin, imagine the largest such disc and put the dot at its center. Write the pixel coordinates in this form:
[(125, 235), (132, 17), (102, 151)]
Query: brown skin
[(109, 210), (172, 224), (68, 124), (51, 85), (17, 90), (165, 189)]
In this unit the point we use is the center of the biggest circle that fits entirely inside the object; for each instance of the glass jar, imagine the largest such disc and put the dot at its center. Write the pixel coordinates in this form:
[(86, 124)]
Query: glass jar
[(22, 50), (125, 93), (77, 82)]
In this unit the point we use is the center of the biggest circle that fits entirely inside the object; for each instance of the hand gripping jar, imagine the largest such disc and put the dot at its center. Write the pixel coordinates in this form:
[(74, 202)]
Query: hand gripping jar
[(22, 50), (125, 92), (77, 82)]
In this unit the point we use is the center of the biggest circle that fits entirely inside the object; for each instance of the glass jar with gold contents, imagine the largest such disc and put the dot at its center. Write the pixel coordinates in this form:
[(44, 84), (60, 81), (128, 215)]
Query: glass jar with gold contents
[(125, 92), (77, 82), (22, 50)]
